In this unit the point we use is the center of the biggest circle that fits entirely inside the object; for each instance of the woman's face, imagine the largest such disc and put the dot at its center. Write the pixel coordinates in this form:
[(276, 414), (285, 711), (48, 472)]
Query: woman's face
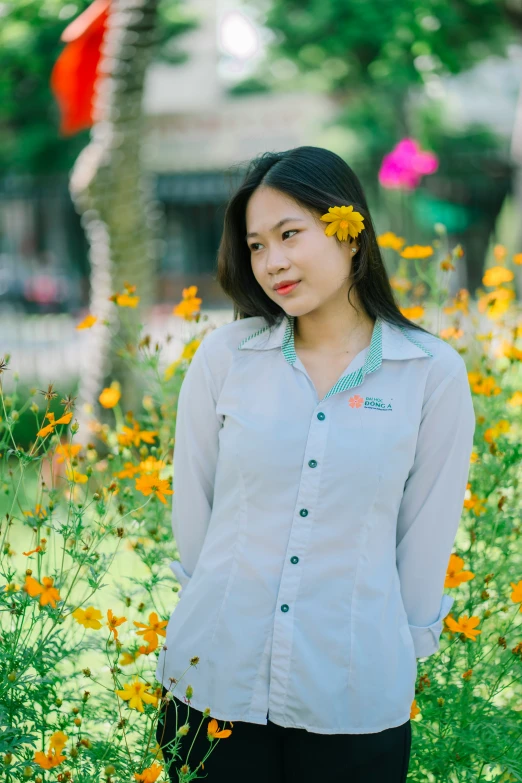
[(297, 250)]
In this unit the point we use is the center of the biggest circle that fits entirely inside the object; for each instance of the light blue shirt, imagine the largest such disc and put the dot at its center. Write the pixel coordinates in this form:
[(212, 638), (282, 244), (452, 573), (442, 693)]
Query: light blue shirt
[(314, 535)]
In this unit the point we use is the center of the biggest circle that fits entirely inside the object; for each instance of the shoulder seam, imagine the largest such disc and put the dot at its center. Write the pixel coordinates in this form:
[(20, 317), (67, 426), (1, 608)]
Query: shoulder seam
[(446, 381)]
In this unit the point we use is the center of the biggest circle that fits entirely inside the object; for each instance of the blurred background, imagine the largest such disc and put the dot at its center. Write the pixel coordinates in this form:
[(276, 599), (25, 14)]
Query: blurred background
[(125, 125)]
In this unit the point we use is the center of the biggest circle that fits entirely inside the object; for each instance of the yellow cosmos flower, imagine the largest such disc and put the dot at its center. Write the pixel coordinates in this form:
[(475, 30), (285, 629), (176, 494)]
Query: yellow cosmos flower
[(515, 400), (152, 465), (495, 303), (136, 693), (389, 239), (65, 419), (451, 333), (127, 658), (87, 322), (500, 253), (134, 436), (496, 275), (75, 476), (110, 397), (67, 451), (124, 300), (417, 251), (129, 471), (89, 618), (482, 384), (12, 587), (39, 512), (343, 221), (171, 369)]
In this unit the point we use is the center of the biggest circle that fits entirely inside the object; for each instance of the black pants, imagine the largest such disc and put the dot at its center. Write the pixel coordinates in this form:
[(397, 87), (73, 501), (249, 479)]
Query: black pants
[(256, 753)]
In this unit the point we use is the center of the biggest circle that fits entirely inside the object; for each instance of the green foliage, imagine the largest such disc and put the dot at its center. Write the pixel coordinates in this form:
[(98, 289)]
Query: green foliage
[(30, 44)]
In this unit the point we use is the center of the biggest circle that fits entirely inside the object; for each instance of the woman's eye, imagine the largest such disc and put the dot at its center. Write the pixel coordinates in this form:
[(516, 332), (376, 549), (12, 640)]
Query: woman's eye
[(289, 231)]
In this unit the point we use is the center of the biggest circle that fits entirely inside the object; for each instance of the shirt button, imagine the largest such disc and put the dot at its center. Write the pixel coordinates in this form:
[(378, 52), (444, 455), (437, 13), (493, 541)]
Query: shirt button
[(294, 559), (304, 512), (321, 416), (285, 608), (313, 463)]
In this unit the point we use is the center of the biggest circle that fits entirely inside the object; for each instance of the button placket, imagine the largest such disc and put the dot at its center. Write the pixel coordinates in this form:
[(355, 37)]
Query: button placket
[(306, 503)]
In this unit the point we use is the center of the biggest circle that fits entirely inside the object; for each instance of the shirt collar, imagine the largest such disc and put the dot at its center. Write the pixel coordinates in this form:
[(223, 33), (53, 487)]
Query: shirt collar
[(388, 342)]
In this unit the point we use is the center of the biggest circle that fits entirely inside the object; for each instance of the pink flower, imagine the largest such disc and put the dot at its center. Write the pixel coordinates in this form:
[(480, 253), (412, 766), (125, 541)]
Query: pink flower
[(404, 166)]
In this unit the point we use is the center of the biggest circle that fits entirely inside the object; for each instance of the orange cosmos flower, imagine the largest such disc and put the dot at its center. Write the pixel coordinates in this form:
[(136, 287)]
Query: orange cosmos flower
[(113, 622), (150, 774), (412, 312), (417, 251), (87, 322), (134, 436), (154, 628), (391, 240), (48, 594), (151, 483), (455, 575), (214, 733), (465, 625)]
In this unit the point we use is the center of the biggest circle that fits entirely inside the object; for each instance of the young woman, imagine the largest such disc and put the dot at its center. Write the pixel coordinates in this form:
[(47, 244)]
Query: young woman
[(320, 464)]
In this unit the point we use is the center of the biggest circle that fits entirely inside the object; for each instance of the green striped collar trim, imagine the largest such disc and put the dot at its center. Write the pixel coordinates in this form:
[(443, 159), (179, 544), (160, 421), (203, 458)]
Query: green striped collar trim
[(388, 342)]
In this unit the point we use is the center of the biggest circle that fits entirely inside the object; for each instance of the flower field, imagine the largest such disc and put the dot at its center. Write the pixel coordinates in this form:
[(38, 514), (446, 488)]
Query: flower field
[(85, 533)]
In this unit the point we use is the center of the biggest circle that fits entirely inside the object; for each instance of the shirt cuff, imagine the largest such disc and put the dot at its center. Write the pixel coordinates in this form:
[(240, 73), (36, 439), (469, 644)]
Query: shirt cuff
[(426, 638), (178, 570)]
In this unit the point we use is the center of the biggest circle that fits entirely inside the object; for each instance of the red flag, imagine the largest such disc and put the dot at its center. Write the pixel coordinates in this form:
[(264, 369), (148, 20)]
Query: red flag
[(76, 69)]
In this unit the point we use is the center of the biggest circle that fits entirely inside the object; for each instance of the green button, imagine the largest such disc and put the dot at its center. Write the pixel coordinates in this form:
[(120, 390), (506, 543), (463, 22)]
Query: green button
[(304, 512), (321, 416), (313, 463), (294, 559), (285, 608)]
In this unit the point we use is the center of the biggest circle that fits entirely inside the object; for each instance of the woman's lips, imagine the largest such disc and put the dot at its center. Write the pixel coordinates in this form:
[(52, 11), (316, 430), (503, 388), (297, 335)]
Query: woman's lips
[(287, 288)]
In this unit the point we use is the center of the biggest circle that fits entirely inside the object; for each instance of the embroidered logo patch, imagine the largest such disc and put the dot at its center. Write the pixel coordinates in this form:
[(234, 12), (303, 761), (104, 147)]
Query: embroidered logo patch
[(375, 403)]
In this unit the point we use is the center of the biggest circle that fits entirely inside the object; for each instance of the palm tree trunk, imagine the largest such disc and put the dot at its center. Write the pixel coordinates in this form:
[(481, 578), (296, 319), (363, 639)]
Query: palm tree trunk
[(114, 197)]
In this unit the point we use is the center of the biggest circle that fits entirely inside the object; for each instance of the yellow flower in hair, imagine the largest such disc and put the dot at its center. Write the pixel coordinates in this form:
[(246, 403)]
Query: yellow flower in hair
[(343, 221)]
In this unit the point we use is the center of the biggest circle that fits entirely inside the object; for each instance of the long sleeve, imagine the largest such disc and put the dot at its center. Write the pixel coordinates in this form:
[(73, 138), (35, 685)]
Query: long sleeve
[(431, 508), (195, 457)]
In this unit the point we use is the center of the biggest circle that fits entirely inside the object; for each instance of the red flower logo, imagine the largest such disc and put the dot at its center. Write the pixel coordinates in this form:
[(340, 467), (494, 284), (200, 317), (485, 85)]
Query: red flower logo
[(356, 401)]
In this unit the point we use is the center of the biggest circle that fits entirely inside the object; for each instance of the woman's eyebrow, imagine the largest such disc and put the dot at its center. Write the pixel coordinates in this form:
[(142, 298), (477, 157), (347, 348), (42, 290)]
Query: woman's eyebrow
[(277, 225)]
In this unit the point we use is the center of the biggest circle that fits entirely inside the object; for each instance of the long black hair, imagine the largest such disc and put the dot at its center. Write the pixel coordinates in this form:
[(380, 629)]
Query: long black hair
[(316, 179)]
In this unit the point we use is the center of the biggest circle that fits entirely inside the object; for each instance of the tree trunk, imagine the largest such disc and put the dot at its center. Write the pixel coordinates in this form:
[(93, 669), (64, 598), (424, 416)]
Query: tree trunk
[(114, 197)]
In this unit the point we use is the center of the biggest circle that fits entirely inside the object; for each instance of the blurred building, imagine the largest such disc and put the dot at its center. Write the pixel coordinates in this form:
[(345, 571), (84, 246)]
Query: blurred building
[(198, 135)]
